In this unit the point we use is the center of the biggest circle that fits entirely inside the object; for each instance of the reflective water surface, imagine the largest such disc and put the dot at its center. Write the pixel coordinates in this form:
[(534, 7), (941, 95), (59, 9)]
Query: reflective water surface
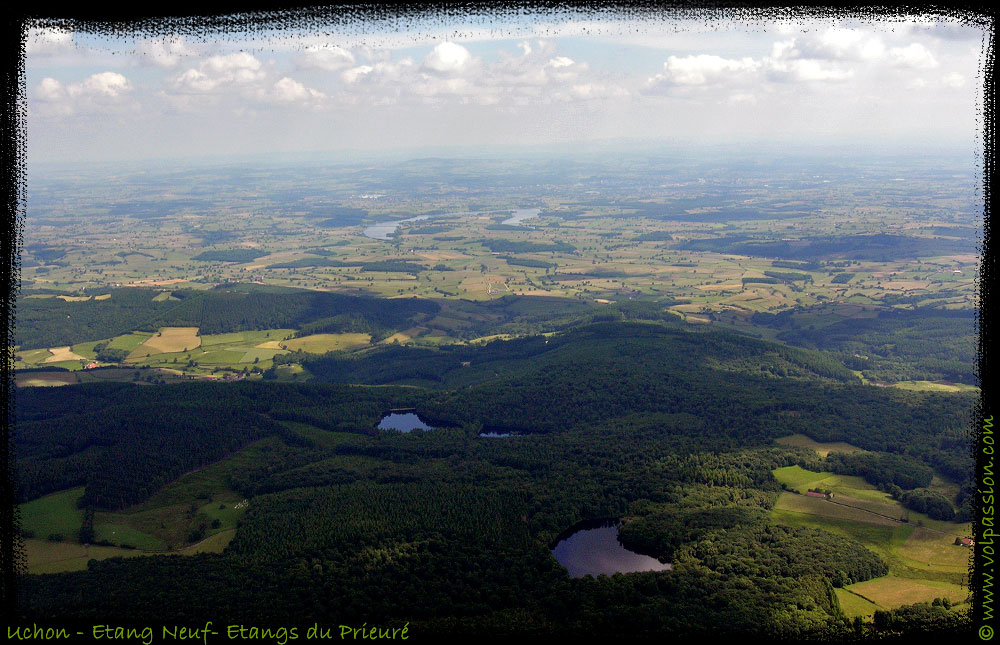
[(593, 548), (403, 422)]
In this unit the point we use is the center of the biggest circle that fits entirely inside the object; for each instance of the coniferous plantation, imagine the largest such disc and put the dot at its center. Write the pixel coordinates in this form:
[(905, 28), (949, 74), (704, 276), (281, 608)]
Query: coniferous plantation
[(459, 334)]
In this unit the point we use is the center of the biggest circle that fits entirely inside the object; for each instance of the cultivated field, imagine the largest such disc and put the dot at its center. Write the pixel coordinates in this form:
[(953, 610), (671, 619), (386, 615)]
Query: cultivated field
[(44, 379), (168, 340), (924, 563), (822, 448), (322, 343)]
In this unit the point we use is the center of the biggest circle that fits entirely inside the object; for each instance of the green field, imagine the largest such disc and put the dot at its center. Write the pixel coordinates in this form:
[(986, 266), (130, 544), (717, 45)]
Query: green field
[(890, 591), (821, 448), (854, 605), (56, 557), (162, 524), (129, 342), (322, 343), (55, 513), (928, 386), (924, 563), (45, 379)]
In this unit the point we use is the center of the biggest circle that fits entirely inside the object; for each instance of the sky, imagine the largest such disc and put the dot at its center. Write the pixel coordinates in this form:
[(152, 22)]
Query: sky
[(477, 83)]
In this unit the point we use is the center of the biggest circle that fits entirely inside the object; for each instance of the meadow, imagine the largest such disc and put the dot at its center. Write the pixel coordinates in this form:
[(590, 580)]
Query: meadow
[(924, 561)]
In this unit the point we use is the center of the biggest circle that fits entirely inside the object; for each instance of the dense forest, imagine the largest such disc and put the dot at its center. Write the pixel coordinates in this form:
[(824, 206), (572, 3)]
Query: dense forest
[(923, 343), (450, 531), (50, 322)]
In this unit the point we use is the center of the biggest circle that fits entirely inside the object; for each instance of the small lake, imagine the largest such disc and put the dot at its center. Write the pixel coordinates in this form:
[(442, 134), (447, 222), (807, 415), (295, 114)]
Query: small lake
[(385, 230), (592, 548), (403, 422), (520, 215)]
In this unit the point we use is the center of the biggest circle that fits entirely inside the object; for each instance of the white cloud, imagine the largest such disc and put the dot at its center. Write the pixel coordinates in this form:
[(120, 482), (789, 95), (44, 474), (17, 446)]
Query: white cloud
[(702, 69), (102, 92), (50, 90), (48, 42), (793, 61), (448, 58), (805, 70), (914, 56), (164, 52), (287, 90), (220, 72), (355, 74), (742, 98), (327, 58), (953, 80), (835, 44), (106, 84), (590, 91)]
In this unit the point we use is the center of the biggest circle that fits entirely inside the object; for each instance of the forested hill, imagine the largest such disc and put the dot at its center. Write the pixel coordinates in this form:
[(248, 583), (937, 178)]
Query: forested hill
[(721, 390), (643, 421), (51, 322)]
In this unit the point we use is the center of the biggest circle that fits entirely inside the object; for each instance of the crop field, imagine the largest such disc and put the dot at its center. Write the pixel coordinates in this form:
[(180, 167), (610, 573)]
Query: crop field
[(924, 562), (321, 343), (44, 556), (60, 354), (822, 448), (801, 480), (890, 591), (129, 342), (854, 605), (930, 386), (824, 508), (44, 379), (168, 340)]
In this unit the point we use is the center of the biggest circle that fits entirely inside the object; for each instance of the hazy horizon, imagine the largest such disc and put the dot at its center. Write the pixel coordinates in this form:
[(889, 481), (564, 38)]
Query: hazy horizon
[(558, 82)]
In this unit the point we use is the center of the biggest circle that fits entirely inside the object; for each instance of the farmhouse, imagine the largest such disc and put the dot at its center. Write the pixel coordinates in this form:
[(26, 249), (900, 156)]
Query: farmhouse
[(964, 541), (813, 493)]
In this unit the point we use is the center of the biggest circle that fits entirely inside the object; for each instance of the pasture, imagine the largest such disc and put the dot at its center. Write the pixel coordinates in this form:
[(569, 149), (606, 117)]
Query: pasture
[(165, 523), (53, 514), (45, 379), (891, 591), (821, 448), (322, 343), (60, 354), (924, 563), (167, 340)]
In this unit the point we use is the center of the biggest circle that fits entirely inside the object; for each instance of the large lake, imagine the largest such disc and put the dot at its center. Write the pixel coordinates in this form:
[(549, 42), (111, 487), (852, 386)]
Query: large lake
[(520, 215), (385, 230), (592, 548), (403, 422)]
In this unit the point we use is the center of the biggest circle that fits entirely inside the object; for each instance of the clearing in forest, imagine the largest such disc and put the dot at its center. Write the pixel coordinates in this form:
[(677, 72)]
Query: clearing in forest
[(63, 354), (822, 448), (322, 343), (168, 339)]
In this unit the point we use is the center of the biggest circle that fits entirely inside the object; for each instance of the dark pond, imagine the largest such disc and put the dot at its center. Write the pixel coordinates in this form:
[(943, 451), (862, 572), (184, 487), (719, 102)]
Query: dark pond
[(403, 422), (592, 548)]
